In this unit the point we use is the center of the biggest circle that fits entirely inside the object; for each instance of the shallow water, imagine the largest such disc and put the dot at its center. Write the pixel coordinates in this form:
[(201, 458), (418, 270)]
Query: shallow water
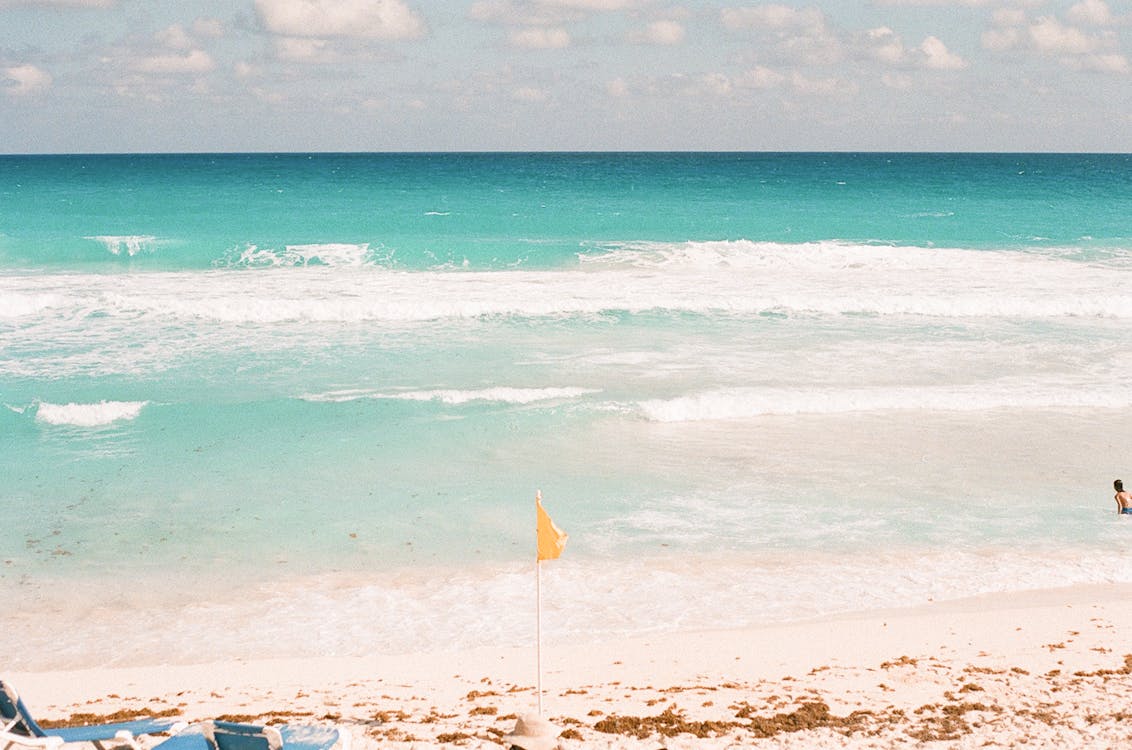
[(285, 405)]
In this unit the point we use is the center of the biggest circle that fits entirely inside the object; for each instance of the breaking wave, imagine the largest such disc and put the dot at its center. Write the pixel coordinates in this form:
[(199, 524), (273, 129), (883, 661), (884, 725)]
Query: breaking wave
[(341, 283), (334, 254), (88, 415), (128, 245)]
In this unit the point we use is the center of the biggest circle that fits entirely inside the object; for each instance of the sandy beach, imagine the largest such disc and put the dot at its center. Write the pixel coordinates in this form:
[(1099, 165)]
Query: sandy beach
[(1044, 668)]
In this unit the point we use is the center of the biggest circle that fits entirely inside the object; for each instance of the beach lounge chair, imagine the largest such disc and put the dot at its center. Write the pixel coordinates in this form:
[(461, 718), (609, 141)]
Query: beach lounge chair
[(18, 728), (226, 735)]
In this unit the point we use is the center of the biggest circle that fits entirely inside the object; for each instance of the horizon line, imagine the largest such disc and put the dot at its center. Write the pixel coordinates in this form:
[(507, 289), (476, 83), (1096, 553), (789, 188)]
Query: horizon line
[(563, 152)]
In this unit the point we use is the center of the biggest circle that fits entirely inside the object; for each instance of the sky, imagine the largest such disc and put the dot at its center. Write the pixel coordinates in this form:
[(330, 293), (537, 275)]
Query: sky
[(94, 76)]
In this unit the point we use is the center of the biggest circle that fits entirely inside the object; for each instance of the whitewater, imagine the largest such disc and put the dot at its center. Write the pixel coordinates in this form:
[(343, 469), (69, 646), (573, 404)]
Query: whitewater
[(273, 405)]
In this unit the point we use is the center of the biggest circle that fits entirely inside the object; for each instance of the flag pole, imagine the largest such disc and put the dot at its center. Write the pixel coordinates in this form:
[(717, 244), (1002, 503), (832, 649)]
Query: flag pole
[(538, 618), (538, 629), (549, 541)]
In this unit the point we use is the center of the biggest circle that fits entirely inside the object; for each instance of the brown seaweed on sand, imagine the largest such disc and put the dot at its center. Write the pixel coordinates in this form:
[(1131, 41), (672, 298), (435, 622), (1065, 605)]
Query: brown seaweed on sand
[(667, 723)]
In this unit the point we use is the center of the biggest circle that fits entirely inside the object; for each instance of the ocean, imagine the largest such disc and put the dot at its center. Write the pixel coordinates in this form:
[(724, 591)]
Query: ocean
[(261, 405)]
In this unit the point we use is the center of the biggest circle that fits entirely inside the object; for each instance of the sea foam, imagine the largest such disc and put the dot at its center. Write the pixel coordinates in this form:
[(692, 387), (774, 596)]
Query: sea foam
[(88, 415), (17, 305), (129, 245), (742, 403), (732, 278), (455, 397), (473, 607), (335, 254)]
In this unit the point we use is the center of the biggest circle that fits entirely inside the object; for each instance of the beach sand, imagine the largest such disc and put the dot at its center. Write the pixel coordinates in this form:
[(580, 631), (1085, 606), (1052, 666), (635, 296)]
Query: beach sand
[(1043, 668)]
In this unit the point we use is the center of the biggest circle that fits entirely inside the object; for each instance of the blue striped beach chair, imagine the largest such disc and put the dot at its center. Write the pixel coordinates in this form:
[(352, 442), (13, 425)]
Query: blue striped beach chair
[(226, 735), (18, 728)]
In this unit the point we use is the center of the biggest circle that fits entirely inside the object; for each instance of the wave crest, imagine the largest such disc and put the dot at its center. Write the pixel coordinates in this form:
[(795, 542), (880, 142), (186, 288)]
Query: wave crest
[(129, 245), (728, 278), (88, 415), (334, 254)]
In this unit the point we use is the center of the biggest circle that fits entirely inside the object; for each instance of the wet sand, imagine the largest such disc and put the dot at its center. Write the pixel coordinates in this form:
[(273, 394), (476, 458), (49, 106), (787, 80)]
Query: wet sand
[(1041, 668)]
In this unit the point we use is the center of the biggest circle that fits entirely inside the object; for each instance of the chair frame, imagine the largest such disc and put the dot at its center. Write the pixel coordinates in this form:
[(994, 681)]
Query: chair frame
[(22, 730)]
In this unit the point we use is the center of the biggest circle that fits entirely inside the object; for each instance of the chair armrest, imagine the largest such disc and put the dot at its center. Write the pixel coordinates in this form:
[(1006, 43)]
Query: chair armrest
[(9, 740)]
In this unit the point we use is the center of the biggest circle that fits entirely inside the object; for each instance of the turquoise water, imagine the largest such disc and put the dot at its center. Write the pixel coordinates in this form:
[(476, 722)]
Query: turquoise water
[(418, 211), (327, 387)]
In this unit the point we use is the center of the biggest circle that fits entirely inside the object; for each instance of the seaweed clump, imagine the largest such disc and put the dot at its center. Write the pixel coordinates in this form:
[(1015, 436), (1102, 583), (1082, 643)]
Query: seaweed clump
[(668, 723)]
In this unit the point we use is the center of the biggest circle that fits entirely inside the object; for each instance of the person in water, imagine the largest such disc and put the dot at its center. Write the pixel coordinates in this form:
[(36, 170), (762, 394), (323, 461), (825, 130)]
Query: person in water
[(1123, 498)]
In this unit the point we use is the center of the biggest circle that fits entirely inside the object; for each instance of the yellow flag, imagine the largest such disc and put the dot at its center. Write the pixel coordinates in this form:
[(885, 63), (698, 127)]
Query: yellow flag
[(551, 539)]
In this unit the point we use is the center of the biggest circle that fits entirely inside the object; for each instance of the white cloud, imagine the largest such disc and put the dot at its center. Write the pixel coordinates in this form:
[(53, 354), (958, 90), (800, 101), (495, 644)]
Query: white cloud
[(674, 13), (133, 87), (489, 10), (244, 69), (1068, 44), (174, 37), (210, 27), (898, 81), (1090, 13), (681, 84), (1009, 17), (265, 95), (938, 57), (1116, 64), (366, 19), (799, 36), (760, 77), (922, 3), (304, 50), (1000, 40), (773, 17), (716, 83), (57, 3), (885, 46), (517, 13), (1050, 35), (617, 88), (538, 38), (824, 87), (595, 4), (22, 80), (543, 12), (195, 61), (659, 32)]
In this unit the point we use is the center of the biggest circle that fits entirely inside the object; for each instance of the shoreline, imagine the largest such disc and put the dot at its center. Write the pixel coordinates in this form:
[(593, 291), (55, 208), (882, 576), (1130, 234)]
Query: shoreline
[(1041, 666)]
